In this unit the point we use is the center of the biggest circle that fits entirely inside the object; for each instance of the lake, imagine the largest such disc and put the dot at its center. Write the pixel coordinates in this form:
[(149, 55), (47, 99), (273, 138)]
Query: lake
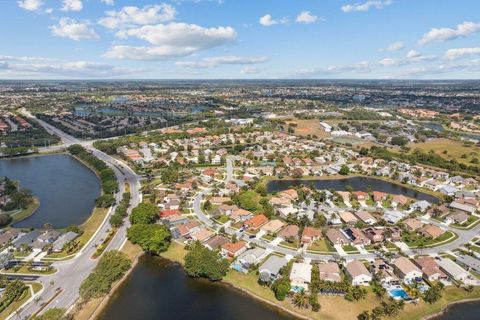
[(357, 183), (66, 188), (463, 311), (160, 289)]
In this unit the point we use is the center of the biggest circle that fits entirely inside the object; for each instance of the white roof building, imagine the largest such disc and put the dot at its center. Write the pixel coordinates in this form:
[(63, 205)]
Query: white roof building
[(301, 275), (453, 270)]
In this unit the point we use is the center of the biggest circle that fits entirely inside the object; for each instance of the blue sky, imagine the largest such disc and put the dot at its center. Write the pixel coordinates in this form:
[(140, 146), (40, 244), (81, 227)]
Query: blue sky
[(235, 39)]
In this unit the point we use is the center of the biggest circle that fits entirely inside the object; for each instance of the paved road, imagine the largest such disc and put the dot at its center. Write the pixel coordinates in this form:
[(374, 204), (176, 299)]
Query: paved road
[(72, 272), (464, 236)]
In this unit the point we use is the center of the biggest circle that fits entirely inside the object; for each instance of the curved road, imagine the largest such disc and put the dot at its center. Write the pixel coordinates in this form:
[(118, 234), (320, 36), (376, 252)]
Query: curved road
[(63, 286)]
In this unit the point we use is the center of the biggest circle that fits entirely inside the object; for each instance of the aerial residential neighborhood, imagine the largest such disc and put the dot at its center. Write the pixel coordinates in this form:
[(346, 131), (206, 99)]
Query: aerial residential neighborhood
[(226, 159)]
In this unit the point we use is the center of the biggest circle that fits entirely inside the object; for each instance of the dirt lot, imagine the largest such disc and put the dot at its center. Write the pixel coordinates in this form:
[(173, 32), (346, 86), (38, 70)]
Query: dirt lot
[(310, 126)]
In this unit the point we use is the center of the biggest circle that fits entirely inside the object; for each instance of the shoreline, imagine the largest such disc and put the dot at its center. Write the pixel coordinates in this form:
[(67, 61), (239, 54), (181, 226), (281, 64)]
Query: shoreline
[(53, 154), (246, 292), (35, 205), (106, 299), (350, 176), (104, 302), (445, 309)]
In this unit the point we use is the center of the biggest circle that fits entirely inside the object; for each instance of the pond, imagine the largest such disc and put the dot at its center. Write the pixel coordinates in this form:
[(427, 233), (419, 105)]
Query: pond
[(65, 187), (160, 289), (462, 311), (357, 183)]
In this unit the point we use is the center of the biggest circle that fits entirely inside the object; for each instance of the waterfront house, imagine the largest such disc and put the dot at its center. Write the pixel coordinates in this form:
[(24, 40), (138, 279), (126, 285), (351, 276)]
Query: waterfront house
[(358, 273), (379, 196), (270, 269), (251, 257), (453, 270), (430, 268), (406, 270), (386, 273), (300, 276), (399, 199), (329, 272), (216, 242), (202, 235), (233, 250)]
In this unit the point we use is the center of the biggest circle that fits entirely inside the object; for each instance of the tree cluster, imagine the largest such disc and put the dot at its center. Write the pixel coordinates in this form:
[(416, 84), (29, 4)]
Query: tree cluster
[(110, 268), (200, 262)]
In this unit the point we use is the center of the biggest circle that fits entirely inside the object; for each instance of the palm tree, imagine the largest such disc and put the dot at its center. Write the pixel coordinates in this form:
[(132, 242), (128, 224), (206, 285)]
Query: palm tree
[(300, 300)]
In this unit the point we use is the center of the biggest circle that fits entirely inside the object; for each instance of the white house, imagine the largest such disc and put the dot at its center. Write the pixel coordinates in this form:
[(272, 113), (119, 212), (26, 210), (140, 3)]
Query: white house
[(358, 273), (453, 270), (406, 270), (301, 275)]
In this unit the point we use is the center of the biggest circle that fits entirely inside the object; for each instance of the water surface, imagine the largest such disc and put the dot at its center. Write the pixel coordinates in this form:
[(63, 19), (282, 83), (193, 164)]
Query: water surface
[(66, 188), (357, 183), (159, 289), (462, 311)]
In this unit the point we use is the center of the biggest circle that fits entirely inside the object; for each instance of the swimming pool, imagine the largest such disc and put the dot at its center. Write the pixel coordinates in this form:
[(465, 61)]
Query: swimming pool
[(398, 293)]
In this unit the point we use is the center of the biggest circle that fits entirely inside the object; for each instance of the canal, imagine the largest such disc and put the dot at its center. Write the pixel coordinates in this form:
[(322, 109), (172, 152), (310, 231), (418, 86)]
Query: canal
[(160, 289), (357, 184), (65, 187)]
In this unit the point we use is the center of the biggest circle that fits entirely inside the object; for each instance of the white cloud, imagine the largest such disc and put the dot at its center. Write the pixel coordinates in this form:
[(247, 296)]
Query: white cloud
[(72, 5), (30, 5), (306, 17), (71, 69), (213, 62), (413, 54), (23, 58), (74, 30), (395, 46), (461, 52), (462, 30), (171, 40), (108, 2), (360, 68), (365, 6), (250, 70), (268, 21), (147, 53), (411, 57), (134, 16)]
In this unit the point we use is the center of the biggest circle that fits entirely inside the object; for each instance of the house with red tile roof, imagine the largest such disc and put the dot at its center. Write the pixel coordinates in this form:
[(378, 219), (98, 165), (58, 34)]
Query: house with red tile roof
[(310, 235), (379, 196), (233, 250), (169, 213), (360, 195), (256, 222)]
